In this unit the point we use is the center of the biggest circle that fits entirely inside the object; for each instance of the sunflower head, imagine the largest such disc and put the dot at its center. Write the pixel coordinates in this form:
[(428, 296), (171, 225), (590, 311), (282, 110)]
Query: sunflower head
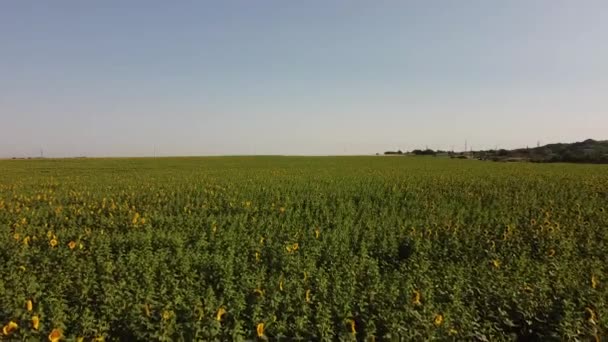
[(55, 335), (591, 316), (9, 328), (220, 313), (260, 329), (35, 322), (352, 326), (167, 315), (438, 321), (416, 298)]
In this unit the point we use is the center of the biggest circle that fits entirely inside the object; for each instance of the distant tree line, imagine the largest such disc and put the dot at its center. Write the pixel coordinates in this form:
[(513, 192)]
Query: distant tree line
[(588, 151), (417, 152)]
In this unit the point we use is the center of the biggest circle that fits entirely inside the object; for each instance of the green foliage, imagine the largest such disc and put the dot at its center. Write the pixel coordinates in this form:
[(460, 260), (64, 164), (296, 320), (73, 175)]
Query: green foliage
[(328, 248), (588, 151)]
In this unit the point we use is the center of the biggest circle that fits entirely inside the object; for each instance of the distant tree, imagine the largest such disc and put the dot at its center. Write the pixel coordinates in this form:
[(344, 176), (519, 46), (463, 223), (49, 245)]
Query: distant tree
[(427, 152)]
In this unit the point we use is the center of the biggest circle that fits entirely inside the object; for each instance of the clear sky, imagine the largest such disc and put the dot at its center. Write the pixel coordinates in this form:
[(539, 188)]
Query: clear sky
[(117, 78)]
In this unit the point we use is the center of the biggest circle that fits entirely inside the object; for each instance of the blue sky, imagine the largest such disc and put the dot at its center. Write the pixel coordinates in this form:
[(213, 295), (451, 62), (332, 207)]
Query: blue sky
[(121, 78)]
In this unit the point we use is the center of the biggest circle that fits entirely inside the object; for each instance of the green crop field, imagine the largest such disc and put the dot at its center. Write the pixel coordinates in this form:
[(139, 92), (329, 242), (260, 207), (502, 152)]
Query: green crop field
[(302, 248)]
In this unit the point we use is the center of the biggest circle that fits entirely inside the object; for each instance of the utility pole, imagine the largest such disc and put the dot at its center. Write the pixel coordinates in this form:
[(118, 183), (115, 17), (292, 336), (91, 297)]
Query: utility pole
[(465, 145)]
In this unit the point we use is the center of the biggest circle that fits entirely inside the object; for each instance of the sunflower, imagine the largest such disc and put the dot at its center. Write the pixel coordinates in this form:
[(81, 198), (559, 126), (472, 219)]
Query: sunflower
[(220, 313), (26, 241), (260, 329), (167, 315), (35, 322), (317, 232), (438, 321), (9, 328), (135, 219), (496, 263), (592, 316), (29, 306), (416, 299), (594, 281), (55, 335), (551, 252), (308, 296), (352, 326), (53, 242), (72, 245), (281, 285)]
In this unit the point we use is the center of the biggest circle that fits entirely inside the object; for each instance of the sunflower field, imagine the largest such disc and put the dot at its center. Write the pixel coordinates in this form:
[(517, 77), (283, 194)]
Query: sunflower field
[(302, 248)]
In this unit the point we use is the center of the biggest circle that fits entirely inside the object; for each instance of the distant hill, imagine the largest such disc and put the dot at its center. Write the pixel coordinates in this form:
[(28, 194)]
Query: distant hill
[(588, 151)]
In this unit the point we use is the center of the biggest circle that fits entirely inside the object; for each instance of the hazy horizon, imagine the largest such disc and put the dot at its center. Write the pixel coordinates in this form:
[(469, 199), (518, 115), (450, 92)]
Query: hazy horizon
[(140, 78)]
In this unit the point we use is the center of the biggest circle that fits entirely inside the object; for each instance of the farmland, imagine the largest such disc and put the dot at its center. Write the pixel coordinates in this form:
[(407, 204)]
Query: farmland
[(309, 248)]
